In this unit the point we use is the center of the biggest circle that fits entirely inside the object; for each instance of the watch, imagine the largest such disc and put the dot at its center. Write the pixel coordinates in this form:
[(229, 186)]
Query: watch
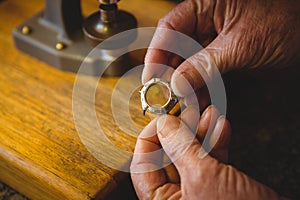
[(157, 97)]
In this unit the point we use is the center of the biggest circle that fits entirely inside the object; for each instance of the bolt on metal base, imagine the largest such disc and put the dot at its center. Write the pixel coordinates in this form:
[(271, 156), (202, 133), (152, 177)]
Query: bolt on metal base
[(55, 36)]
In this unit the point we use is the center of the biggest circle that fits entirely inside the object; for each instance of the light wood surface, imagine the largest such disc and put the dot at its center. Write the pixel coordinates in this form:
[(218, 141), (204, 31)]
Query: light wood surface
[(41, 153)]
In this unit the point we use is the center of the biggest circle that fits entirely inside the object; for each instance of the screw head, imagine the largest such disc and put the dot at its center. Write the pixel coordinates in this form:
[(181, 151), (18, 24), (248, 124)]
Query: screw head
[(59, 46), (26, 30)]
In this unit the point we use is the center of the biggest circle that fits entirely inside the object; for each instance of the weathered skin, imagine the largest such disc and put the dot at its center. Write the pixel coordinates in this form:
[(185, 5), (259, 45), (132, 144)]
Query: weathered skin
[(240, 34), (200, 178), (237, 34)]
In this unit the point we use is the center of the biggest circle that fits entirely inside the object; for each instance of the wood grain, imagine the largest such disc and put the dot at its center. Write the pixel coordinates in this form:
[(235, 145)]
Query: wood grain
[(41, 153)]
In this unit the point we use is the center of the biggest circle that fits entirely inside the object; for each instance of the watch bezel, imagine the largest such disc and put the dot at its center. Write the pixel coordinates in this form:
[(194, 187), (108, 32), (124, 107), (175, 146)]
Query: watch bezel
[(167, 107)]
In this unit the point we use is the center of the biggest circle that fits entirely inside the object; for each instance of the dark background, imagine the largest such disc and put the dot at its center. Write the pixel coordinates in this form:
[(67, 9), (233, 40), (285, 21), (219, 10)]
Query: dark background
[(264, 112)]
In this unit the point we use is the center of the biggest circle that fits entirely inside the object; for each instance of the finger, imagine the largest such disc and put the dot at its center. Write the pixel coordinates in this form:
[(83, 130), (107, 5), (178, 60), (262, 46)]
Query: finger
[(219, 140), (192, 74), (201, 68), (214, 132), (156, 63), (164, 71), (167, 191), (190, 116), (167, 73), (146, 170), (200, 98), (178, 142), (198, 23), (164, 39), (207, 122)]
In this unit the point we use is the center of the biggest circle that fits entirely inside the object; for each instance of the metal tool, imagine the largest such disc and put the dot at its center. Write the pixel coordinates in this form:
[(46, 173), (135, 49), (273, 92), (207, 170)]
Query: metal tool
[(60, 36)]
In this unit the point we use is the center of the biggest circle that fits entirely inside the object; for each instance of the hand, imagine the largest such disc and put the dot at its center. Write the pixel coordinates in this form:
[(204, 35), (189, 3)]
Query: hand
[(236, 34), (202, 176)]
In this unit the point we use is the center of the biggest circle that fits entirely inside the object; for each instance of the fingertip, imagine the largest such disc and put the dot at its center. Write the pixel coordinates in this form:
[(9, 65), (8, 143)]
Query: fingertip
[(149, 130), (227, 130), (226, 124), (153, 70), (149, 72), (146, 76), (182, 84), (207, 121), (160, 122), (211, 112), (220, 139), (221, 135), (177, 140), (190, 116), (166, 124)]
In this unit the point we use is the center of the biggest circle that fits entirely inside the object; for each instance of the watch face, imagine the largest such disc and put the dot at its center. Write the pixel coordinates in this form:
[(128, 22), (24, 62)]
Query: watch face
[(157, 96)]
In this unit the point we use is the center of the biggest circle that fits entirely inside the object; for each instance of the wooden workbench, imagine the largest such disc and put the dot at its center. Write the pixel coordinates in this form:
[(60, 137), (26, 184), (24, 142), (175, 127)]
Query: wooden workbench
[(41, 154)]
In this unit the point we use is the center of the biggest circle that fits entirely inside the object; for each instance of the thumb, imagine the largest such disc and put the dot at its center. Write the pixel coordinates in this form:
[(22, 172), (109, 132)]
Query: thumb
[(201, 68), (178, 142)]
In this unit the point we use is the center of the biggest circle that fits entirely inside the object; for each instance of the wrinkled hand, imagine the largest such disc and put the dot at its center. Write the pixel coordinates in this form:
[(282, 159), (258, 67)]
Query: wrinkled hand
[(236, 34), (202, 176)]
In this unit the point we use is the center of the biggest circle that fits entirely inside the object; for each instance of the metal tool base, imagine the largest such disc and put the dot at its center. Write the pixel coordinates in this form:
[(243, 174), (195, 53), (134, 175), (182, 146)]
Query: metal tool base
[(38, 39)]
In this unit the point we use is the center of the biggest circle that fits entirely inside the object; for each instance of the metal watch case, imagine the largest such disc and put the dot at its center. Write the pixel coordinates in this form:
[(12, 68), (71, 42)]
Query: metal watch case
[(167, 107)]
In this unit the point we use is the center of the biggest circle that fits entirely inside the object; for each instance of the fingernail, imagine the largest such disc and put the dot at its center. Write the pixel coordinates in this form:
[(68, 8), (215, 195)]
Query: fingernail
[(152, 70), (215, 137), (222, 119), (182, 84), (166, 126), (147, 77), (206, 113), (160, 125)]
